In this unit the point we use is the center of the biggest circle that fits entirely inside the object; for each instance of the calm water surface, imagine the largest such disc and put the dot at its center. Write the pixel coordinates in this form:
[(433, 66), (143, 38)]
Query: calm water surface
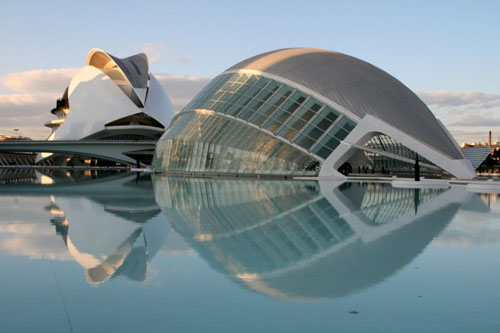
[(127, 253)]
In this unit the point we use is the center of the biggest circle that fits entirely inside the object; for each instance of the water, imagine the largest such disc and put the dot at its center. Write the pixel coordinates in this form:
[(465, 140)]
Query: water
[(125, 253)]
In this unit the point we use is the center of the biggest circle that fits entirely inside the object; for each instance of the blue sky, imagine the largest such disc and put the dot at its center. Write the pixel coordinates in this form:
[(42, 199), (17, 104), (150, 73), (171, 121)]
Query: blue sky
[(431, 46)]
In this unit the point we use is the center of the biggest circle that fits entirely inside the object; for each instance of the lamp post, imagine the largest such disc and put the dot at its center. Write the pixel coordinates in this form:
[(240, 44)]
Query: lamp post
[(417, 169)]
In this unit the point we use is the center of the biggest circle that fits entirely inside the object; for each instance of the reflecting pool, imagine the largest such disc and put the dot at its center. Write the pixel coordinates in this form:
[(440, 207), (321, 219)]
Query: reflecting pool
[(127, 252)]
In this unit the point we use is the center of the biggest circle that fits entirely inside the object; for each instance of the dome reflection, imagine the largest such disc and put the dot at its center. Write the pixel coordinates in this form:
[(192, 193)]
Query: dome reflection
[(110, 227), (304, 240)]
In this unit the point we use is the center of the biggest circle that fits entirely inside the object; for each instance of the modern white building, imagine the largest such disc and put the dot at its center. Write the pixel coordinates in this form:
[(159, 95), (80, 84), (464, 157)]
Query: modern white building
[(111, 99), (307, 112)]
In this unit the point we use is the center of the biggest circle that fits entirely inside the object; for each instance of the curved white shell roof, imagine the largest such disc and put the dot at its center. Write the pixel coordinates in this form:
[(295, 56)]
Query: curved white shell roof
[(97, 96), (135, 68), (359, 87)]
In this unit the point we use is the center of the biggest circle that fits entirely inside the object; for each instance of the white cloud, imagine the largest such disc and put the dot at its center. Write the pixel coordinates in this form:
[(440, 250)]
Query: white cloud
[(34, 94), (484, 229), (479, 119), (181, 88), (181, 60), (460, 99), (28, 112), (36, 246), (26, 228), (17, 99), (40, 80), (469, 115), (152, 50)]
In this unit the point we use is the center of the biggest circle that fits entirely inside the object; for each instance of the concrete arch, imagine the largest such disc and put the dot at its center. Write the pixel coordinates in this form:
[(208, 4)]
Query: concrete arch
[(370, 126)]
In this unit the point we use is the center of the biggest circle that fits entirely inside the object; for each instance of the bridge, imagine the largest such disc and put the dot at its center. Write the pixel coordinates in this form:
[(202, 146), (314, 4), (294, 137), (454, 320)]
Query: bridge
[(118, 151)]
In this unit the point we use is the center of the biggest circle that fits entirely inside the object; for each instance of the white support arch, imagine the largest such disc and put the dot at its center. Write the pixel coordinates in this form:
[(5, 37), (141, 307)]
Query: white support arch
[(370, 126)]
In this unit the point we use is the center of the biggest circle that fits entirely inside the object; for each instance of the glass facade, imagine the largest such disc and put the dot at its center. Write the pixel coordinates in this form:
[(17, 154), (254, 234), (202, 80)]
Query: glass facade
[(202, 141), (383, 204), (257, 226), (387, 144), (260, 227), (297, 131)]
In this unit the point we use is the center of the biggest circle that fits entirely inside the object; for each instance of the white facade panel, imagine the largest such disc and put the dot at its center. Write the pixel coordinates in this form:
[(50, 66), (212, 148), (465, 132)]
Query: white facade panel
[(95, 100), (158, 105)]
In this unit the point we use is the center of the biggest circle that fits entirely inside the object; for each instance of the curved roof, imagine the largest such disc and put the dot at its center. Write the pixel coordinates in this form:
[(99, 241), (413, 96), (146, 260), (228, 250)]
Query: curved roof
[(359, 87), (135, 68), (131, 74)]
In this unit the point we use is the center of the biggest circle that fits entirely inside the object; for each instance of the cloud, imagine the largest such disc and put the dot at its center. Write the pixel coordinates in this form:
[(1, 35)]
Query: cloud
[(473, 228), (153, 51), (34, 94), (17, 99), (460, 99), (182, 88), (467, 114), (40, 80), (181, 60), (36, 247), (479, 119), (26, 229), (28, 112)]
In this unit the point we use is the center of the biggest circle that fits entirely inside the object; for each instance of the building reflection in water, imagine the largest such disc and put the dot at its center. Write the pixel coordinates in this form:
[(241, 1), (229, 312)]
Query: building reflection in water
[(295, 240), (110, 227), (304, 240)]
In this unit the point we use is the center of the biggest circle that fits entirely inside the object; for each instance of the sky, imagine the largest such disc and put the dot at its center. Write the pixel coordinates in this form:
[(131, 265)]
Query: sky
[(448, 52)]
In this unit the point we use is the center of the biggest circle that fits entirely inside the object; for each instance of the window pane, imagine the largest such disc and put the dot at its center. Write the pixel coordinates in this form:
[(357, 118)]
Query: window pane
[(262, 82)]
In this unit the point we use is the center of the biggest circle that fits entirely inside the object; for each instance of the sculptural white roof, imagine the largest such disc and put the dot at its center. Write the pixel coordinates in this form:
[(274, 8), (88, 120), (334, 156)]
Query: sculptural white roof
[(112, 95)]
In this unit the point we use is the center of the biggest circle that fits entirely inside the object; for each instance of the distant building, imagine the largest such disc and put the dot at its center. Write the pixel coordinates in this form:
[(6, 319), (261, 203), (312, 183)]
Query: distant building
[(307, 112), (14, 138), (110, 99), (485, 156)]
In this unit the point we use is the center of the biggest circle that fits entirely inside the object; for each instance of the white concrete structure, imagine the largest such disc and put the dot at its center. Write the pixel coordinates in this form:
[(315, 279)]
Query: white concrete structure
[(370, 126), (112, 99)]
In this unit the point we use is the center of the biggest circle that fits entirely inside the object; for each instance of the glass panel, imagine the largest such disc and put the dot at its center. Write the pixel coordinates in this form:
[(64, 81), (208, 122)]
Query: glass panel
[(267, 110), (264, 95), (243, 78), (251, 80), (271, 87), (300, 119), (234, 77), (234, 87), (304, 141), (262, 82), (198, 142), (326, 146), (342, 128), (279, 117)]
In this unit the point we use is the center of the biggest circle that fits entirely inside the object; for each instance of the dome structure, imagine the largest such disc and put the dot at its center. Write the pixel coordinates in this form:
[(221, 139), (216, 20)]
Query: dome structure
[(307, 112), (111, 99)]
